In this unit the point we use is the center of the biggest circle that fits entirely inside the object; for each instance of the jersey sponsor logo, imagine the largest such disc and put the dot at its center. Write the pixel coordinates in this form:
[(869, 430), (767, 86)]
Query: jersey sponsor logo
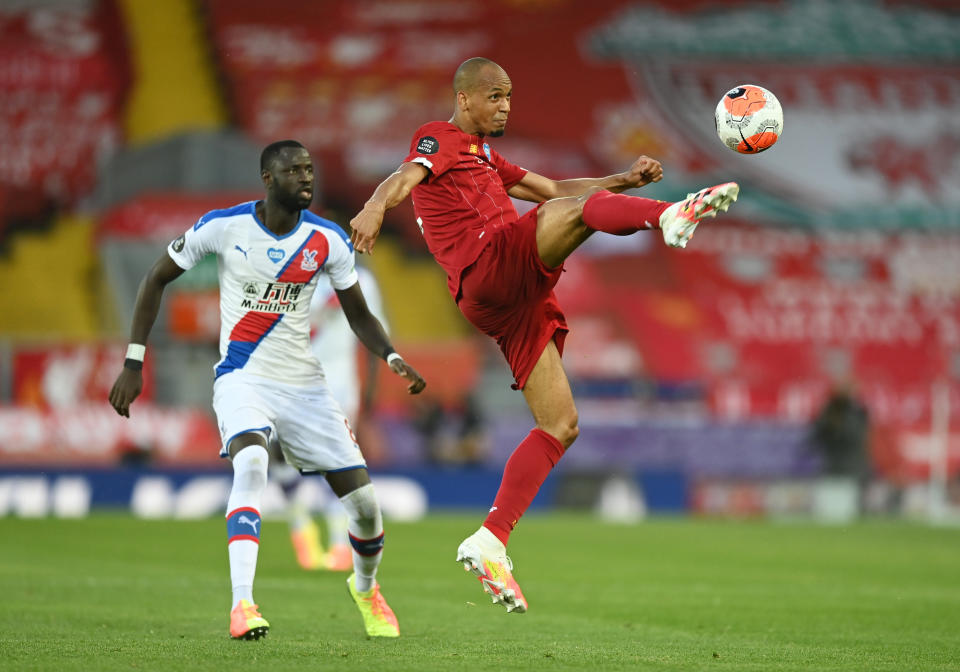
[(179, 243), (275, 254), (486, 150), (272, 297), (309, 261), (428, 145)]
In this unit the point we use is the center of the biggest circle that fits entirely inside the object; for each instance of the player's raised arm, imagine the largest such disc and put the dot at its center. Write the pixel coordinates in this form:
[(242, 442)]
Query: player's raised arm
[(371, 333), (130, 381), (537, 188), (365, 227)]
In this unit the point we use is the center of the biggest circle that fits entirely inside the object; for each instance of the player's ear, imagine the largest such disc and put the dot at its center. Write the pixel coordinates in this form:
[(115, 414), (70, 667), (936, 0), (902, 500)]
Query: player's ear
[(463, 101), (266, 177)]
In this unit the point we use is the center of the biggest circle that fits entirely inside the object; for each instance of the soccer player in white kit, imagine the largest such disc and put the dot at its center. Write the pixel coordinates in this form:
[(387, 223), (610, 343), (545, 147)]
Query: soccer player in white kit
[(268, 383)]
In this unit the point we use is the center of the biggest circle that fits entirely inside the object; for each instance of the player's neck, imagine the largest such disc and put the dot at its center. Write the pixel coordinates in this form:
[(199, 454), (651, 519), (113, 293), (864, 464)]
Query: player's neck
[(465, 127), (277, 218)]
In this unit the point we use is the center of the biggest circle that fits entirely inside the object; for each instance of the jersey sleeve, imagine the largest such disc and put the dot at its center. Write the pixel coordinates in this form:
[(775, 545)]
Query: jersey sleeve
[(509, 173), (437, 149), (195, 243), (340, 264)]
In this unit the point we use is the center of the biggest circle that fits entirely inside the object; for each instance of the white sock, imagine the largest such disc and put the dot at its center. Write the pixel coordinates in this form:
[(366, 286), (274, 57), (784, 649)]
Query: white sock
[(242, 593), (365, 525), (243, 519)]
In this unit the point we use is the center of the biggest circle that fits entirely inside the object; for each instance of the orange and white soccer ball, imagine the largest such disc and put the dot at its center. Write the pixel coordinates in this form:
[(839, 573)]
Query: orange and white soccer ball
[(749, 119)]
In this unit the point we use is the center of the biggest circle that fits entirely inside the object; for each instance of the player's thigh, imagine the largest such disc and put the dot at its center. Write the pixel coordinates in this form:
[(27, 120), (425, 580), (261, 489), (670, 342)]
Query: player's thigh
[(243, 409), (560, 228), (548, 394), (315, 435)]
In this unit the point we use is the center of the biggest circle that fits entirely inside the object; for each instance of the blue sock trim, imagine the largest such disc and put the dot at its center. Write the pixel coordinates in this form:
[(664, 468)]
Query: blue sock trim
[(367, 547), (243, 523)]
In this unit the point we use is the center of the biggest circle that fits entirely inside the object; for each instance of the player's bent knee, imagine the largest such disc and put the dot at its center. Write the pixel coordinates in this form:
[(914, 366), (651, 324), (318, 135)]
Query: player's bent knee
[(569, 435), (362, 504), (565, 432), (582, 199), (250, 467), (585, 196)]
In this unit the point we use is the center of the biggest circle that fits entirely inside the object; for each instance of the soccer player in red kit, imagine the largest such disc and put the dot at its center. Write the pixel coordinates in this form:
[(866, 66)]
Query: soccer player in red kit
[(501, 270)]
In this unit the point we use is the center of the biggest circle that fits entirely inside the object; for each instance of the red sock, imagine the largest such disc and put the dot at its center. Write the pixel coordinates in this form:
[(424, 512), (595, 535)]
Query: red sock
[(523, 474), (620, 214)]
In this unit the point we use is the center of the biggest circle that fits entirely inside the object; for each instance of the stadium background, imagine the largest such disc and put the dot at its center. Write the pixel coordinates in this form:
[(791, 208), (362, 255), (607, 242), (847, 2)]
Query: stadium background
[(697, 372)]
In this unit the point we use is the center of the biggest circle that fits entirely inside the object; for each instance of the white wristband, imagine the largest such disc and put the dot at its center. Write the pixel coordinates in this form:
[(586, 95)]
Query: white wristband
[(392, 357), (136, 351)]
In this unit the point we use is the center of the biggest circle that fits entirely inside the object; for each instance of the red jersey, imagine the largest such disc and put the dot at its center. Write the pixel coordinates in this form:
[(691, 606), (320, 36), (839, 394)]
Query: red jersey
[(463, 198)]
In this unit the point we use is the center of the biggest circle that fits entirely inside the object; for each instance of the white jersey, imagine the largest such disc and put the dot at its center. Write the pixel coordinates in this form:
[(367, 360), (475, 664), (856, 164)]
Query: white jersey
[(334, 342), (266, 282)]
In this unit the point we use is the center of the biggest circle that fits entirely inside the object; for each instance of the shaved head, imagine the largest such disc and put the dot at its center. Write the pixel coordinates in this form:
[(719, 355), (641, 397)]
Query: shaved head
[(482, 90), (475, 72)]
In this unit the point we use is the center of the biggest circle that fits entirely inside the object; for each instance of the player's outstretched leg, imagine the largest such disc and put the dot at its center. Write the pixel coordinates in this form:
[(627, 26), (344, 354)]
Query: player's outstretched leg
[(679, 220), (486, 557), (365, 525)]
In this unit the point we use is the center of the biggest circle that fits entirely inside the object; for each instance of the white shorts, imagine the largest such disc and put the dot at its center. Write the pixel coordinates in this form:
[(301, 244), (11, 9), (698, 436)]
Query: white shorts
[(313, 433)]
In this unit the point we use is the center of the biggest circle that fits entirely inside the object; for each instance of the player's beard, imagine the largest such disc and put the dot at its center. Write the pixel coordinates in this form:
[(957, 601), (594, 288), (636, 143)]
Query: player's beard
[(294, 201), (498, 133)]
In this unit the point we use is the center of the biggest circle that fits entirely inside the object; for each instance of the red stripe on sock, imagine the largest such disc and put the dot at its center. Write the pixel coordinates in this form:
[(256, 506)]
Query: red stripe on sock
[(620, 214), (243, 508), (523, 475)]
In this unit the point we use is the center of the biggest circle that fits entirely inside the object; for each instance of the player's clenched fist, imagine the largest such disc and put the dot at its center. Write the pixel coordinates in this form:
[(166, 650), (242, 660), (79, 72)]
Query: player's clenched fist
[(645, 170)]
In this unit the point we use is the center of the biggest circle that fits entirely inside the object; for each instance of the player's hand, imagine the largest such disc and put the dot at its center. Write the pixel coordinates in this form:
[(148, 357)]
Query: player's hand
[(644, 171), (401, 368), (128, 386), (365, 227)]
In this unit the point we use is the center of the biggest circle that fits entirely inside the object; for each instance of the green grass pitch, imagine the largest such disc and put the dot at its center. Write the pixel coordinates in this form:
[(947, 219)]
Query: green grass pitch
[(114, 593)]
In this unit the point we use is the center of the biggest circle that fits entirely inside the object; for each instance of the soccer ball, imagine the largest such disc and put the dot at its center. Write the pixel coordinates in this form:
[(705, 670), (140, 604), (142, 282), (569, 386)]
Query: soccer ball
[(749, 119)]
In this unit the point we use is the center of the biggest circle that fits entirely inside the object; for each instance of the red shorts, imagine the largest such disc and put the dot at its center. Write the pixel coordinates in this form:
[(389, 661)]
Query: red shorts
[(507, 293)]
